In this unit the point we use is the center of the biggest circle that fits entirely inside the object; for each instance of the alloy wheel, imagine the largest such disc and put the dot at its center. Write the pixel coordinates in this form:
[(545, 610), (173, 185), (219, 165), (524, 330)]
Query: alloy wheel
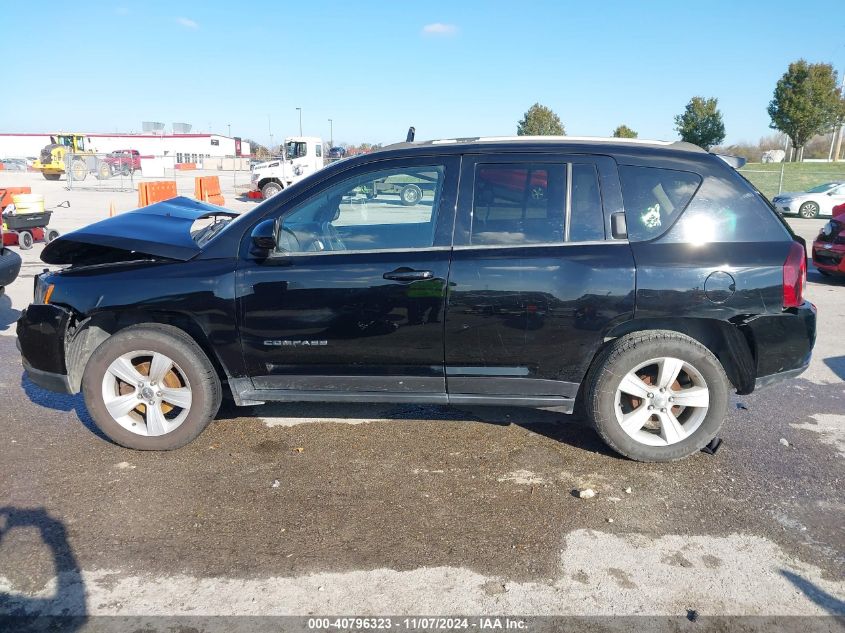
[(147, 393), (662, 401)]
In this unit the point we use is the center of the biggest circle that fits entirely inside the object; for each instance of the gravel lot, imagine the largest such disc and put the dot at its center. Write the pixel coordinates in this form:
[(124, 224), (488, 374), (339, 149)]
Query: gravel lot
[(400, 509)]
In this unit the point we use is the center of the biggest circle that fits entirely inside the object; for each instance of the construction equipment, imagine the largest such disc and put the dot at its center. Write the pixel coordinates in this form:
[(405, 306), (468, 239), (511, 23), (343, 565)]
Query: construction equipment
[(68, 153)]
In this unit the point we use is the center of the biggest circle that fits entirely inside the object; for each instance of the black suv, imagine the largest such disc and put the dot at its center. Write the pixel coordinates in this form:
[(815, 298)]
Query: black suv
[(635, 281)]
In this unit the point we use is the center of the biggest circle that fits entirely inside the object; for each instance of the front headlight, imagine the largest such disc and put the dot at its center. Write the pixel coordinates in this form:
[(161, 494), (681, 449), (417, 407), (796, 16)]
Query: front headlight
[(43, 291), (827, 229)]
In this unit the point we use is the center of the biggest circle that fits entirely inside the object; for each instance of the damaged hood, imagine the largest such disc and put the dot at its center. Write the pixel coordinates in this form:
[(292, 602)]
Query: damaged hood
[(159, 230)]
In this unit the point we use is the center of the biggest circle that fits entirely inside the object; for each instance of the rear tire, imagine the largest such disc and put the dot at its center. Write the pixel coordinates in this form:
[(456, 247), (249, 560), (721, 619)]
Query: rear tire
[(190, 367), (410, 195), (809, 210), (103, 171), (669, 431), (50, 235)]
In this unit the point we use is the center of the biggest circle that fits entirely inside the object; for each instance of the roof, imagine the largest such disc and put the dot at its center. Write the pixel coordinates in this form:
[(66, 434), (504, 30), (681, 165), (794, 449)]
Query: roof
[(556, 141)]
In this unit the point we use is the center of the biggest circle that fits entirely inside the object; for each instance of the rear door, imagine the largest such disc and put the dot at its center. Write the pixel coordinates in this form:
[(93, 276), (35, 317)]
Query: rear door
[(535, 280)]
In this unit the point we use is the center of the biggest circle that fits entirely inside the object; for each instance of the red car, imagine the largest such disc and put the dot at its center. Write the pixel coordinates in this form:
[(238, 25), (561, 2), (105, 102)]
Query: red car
[(124, 161), (829, 247)]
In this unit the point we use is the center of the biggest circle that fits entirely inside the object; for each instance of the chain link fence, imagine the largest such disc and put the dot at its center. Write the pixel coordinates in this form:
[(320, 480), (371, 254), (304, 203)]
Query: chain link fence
[(775, 178), (122, 171)]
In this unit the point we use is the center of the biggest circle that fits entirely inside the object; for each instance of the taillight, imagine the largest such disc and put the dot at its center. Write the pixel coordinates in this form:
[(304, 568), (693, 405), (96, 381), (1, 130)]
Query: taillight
[(794, 276)]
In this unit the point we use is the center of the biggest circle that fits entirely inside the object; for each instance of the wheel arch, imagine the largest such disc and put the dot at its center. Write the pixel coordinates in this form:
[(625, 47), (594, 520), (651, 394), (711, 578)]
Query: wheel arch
[(92, 331), (727, 342)]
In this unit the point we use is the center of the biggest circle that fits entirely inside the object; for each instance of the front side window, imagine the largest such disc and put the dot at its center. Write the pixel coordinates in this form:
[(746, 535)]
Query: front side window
[(654, 197), (518, 203), (296, 149), (384, 209), (319, 151)]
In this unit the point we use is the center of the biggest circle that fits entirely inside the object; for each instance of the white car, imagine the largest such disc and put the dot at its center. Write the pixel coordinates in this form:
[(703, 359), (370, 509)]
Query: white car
[(815, 202)]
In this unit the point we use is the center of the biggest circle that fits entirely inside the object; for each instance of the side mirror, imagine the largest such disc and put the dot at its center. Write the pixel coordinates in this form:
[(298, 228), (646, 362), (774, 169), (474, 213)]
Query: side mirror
[(618, 226), (264, 238)]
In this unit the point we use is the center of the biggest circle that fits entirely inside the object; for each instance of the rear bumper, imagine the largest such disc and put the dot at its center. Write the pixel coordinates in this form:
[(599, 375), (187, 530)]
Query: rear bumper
[(10, 266), (782, 343), (42, 331), (830, 260)]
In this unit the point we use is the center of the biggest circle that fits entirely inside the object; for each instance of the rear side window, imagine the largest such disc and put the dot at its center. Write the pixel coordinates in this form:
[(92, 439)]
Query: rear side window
[(519, 203), (654, 198)]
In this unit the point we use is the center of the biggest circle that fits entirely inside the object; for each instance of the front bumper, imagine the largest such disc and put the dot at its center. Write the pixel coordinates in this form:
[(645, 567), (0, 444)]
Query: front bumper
[(782, 343), (10, 266), (42, 333), (829, 257)]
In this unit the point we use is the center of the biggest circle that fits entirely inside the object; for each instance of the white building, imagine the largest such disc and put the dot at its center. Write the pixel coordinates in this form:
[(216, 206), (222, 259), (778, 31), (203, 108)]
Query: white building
[(182, 148)]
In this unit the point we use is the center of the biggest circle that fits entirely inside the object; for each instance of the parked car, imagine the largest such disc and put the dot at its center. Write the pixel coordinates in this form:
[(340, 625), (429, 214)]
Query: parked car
[(650, 281), (336, 153), (829, 247), (123, 161), (815, 202), (14, 164), (10, 264)]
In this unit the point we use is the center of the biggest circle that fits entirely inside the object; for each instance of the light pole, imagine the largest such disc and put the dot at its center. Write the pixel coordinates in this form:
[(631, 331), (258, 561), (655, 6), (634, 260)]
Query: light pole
[(331, 134), (300, 120), (229, 125)]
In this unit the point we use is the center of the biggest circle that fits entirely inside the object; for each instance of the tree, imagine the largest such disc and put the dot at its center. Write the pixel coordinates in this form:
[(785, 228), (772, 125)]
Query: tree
[(540, 121), (806, 102), (623, 131), (701, 123), (257, 149)]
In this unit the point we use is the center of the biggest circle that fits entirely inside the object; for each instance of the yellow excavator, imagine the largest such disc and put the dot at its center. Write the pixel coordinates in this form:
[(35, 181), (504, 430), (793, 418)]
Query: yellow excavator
[(67, 152)]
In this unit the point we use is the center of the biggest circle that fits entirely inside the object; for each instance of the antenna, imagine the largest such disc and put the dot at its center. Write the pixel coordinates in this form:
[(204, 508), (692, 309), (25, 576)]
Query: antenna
[(411, 132)]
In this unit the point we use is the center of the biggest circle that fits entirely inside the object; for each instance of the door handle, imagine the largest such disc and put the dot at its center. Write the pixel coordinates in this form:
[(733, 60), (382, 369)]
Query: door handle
[(408, 274)]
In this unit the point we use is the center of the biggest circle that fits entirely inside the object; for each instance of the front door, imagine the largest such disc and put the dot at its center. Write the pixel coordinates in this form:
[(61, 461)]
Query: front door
[(353, 298), (536, 279)]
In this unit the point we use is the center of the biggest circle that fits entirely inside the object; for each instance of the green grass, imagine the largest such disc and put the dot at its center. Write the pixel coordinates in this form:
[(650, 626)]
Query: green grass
[(796, 176)]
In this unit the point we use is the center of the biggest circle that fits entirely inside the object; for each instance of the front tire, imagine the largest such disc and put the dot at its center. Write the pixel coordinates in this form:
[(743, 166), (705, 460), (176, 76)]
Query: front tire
[(808, 210), (151, 387), (25, 240), (51, 176), (78, 170), (657, 396), (271, 189)]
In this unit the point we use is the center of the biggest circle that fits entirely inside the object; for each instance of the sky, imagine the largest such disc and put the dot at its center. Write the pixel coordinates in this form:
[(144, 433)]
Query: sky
[(450, 68)]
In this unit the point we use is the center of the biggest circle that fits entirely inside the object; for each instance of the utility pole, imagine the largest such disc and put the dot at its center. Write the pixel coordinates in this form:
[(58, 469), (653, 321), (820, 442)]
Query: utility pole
[(300, 120), (229, 125), (331, 134), (840, 126)]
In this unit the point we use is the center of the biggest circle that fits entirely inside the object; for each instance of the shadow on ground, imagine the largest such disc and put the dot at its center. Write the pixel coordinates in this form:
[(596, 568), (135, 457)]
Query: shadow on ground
[(826, 601), (837, 365), (8, 314), (65, 610)]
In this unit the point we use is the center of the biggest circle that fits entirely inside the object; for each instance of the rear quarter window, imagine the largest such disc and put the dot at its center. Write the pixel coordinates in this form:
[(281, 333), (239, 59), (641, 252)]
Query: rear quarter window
[(726, 208), (654, 198)]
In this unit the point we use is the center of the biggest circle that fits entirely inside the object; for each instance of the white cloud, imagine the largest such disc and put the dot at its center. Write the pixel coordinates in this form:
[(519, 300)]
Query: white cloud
[(439, 29), (188, 23)]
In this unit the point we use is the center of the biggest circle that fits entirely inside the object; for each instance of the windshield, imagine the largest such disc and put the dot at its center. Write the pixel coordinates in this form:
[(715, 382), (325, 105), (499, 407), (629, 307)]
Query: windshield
[(822, 188), (295, 149)]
